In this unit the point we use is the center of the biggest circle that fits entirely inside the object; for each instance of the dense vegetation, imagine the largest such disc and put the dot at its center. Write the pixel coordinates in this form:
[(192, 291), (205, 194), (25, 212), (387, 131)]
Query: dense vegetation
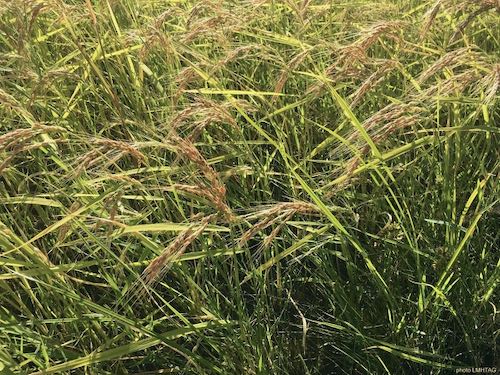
[(249, 187)]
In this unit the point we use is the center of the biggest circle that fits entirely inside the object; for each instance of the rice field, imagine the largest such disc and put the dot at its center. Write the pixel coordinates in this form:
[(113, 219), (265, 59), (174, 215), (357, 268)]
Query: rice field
[(249, 186)]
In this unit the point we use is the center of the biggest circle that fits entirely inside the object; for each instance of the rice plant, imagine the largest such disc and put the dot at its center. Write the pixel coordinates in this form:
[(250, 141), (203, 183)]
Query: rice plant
[(249, 186)]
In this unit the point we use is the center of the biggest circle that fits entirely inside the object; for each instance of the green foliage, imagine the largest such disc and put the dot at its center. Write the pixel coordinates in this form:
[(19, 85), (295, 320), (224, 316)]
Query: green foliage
[(248, 187)]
